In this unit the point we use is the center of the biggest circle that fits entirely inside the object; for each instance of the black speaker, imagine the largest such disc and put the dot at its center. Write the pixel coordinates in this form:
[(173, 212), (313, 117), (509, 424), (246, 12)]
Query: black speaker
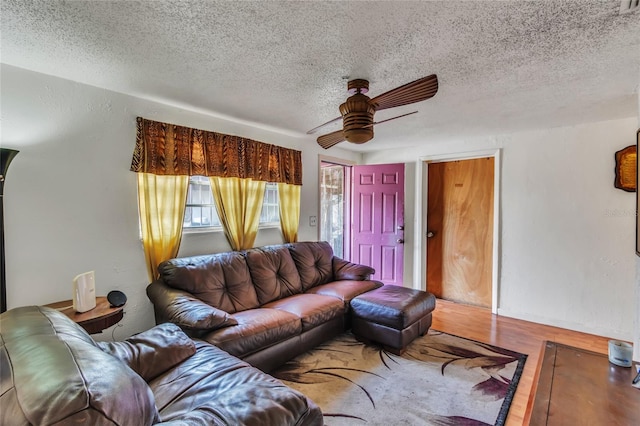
[(116, 298)]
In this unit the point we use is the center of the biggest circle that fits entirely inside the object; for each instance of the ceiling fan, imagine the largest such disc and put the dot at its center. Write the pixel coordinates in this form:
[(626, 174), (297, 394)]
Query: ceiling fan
[(358, 110)]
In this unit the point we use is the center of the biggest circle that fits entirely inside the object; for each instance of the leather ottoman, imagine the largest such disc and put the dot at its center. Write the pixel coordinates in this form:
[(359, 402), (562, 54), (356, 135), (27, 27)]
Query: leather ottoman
[(392, 316)]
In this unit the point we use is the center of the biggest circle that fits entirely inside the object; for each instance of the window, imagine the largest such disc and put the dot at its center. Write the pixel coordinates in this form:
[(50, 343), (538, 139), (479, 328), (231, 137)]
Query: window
[(201, 211), (270, 214), (334, 206)]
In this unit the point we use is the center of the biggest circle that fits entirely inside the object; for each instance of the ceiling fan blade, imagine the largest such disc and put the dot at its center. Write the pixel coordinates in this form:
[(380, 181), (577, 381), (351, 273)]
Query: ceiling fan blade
[(331, 139), (322, 125), (392, 118), (416, 91)]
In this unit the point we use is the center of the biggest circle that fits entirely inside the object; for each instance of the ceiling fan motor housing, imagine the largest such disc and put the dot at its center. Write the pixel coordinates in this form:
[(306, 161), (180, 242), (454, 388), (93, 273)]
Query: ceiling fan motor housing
[(357, 118)]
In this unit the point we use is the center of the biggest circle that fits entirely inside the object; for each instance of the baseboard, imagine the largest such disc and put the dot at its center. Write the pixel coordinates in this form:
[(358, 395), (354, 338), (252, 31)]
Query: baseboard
[(567, 325)]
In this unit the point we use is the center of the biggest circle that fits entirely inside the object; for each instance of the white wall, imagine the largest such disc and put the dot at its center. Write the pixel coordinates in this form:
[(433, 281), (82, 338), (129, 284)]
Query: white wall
[(70, 199), (567, 235)]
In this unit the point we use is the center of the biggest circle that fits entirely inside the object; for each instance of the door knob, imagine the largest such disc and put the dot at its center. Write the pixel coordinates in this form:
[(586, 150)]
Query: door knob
[(431, 234), (400, 228), (400, 241)]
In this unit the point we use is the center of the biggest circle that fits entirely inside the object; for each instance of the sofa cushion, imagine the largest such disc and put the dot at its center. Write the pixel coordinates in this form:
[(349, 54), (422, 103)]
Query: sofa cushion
[(214, 388), (257, 329), (273, 273), (345, 290), (185, 310), (312, 309), (313, 260), (54, 372), (154, 351), (221, 280)]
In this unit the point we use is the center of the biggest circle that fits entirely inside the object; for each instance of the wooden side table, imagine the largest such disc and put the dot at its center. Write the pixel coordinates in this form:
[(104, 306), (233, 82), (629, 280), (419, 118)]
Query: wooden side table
[(580, 387), (94, 321)]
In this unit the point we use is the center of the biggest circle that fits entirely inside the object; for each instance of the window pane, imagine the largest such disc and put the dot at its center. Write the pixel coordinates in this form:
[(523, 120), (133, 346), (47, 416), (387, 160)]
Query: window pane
[(270, 212), (200, 211), (332, 206)]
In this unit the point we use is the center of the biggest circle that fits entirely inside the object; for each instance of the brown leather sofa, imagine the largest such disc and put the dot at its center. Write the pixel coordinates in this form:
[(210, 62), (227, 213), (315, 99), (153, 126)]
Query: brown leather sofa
[(53, 372), (264, 305)]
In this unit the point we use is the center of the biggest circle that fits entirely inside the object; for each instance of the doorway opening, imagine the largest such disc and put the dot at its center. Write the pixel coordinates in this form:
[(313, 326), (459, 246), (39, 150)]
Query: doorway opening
[(335, 206), (422, 208)]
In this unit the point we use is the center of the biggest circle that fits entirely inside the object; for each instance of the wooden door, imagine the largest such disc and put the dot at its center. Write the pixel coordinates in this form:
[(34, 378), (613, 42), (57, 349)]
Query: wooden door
[(460, 230), (378, 220)]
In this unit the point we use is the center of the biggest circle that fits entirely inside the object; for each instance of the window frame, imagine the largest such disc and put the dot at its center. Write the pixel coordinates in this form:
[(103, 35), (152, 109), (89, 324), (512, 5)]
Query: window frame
[(218, 228), (271, 186), (347, 166)]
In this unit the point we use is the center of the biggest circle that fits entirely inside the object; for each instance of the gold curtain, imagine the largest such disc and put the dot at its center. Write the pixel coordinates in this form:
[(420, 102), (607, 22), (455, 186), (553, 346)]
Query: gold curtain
[(161, 204), (238, 202), (289, 205), (167, 149)]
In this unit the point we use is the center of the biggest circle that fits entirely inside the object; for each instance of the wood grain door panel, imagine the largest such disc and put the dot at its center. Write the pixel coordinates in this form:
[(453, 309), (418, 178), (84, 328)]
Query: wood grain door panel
[(460, 216)]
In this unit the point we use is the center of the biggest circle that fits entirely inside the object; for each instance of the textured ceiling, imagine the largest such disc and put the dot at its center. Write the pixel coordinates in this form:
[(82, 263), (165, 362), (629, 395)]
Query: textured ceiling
[(503, 66)]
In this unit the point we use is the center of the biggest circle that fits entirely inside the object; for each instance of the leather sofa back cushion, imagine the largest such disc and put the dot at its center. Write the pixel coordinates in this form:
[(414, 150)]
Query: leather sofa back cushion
[(273, 272), (154, 351), (314, 262), (220, 280), (58, 374)]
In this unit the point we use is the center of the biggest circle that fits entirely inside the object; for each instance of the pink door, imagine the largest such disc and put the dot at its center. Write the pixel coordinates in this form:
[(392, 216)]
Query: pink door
[(378, 220)]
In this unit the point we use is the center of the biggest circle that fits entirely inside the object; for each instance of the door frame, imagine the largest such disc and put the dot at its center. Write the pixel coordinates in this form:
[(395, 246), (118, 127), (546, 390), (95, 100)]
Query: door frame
[(347, 218), (420, 244)]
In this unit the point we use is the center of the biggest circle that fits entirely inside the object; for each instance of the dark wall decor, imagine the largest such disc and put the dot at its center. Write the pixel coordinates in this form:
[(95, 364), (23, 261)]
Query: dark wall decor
[(626, 169)]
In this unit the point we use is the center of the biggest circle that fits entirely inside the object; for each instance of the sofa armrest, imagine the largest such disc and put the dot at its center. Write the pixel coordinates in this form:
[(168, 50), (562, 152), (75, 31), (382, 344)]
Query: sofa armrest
[(154, 351), (344, 270), (186, 310)]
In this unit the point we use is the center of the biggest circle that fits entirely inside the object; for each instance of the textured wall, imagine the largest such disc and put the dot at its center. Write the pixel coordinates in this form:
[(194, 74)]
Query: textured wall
[(71, 203), (567, 240)]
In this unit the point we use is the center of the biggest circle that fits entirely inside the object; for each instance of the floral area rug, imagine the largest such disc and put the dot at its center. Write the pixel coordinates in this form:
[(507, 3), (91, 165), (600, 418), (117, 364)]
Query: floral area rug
[(440, 380)]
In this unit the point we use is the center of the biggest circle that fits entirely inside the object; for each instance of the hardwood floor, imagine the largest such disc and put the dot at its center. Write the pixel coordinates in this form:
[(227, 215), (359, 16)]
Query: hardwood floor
[(521, 336)]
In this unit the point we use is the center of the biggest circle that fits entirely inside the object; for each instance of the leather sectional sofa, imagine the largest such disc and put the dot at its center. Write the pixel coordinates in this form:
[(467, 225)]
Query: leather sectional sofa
[(265, 305), (53, 372)]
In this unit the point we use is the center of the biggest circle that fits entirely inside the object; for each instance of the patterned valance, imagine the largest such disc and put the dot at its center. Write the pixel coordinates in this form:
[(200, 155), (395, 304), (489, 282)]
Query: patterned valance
[(167, 149)]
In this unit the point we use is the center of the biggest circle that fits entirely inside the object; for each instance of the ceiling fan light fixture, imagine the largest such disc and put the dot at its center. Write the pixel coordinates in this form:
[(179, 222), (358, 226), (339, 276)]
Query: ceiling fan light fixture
[(359, 136)]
